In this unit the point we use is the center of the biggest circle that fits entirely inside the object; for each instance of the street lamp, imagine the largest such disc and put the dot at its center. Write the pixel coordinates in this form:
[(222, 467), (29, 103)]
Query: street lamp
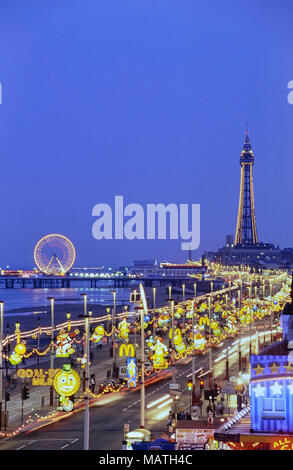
[(113, 328), (39, 325), (84, 302), (87, 374), (170, 292), (143, 312), (210, 348), (193, 355), (68, 319), (173, 344), (183, 292), (108, 318), (52, 300), (239, 323), (227, 356), (154, 297)]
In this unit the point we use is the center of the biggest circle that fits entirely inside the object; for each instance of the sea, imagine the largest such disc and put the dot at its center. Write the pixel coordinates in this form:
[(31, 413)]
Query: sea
[(31, 307)]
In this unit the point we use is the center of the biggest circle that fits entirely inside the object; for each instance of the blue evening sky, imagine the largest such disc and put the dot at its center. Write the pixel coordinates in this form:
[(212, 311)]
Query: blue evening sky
[(147, 99)]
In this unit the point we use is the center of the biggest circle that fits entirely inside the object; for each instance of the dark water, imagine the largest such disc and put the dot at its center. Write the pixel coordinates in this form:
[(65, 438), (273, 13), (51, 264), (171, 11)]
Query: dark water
[(30, 306)]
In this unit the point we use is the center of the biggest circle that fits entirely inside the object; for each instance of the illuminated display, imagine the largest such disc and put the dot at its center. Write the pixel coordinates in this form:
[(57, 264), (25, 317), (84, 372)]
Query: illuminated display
[(38, 376), (66, 381), (98, 334), (131, 372), (126, 350), (160, 351), (64, 344), (271, 386), (123, 329)]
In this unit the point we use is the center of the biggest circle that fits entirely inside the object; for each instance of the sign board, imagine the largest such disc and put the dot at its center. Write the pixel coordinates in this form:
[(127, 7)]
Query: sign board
[(240, 389), (193, 436), (38, 376), (223, 437), (131, 372), (126, 350), (174, 386)]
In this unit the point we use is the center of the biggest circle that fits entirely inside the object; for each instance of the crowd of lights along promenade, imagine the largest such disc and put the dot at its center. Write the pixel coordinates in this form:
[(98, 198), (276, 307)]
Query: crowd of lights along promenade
[(177, 330)]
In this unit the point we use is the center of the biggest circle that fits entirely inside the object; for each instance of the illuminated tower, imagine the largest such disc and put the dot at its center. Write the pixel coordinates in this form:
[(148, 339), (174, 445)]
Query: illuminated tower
[(246, 225)]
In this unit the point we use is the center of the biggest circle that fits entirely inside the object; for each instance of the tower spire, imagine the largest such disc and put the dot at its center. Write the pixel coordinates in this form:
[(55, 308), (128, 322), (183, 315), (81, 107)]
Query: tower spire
[(246, 224)]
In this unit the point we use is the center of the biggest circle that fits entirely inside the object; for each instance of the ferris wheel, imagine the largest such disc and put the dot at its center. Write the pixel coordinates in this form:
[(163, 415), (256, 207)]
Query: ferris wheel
[(54, 254)]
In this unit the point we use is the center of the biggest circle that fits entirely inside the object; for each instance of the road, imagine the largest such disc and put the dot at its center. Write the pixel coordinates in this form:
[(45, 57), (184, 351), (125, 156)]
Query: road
[(108, 415)]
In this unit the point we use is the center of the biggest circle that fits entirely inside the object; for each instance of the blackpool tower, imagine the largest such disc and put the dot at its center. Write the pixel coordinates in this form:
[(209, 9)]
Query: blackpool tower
[(246, 225)]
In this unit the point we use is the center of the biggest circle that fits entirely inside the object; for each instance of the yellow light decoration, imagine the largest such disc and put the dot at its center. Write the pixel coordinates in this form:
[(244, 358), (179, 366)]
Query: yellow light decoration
[(15, 358), (67, 381), (160, 352), (98, 334), (64, 344), (20, 349), (123, 330)]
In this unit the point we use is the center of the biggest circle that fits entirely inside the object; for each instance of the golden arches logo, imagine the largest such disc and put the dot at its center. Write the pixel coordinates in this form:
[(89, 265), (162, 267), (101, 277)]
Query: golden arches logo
[(126, 350), (204, 321)]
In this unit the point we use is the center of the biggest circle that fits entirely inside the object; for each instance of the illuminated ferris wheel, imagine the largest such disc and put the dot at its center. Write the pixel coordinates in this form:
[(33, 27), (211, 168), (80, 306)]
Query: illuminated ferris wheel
[(54, 254)]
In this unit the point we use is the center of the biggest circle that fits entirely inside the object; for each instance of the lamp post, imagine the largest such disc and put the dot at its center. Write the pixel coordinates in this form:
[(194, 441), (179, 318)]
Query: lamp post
[(113, 328), (227, 356), (68, 315), (143, 312), (271, 312), (239, 323), (193, 355), (84, 302), (256, 323), (39, 324), (142, 397), (210, 349), (173, 345), (170, 292), (52, 300), (87, 374), (108, 319), (154, 297), (194, 288), (183, 292), (154, 316)]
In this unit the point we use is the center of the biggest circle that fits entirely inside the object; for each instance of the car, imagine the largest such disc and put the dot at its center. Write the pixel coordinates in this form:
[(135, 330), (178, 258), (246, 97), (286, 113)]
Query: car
[(108, 387)]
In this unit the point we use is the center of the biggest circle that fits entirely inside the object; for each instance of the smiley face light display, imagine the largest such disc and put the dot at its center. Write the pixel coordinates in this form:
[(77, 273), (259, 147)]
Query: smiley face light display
[(66, 383)]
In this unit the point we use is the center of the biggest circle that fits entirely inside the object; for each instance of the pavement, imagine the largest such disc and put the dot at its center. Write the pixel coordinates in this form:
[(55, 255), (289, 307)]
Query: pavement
[(124, 403)]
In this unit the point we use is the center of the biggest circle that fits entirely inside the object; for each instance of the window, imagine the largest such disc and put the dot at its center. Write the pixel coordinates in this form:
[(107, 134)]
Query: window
[(273, 408)]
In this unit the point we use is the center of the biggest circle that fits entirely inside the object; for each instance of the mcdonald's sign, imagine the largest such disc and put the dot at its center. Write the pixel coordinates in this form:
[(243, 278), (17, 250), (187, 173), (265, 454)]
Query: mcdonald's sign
[(204, 321), (126, 350)]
